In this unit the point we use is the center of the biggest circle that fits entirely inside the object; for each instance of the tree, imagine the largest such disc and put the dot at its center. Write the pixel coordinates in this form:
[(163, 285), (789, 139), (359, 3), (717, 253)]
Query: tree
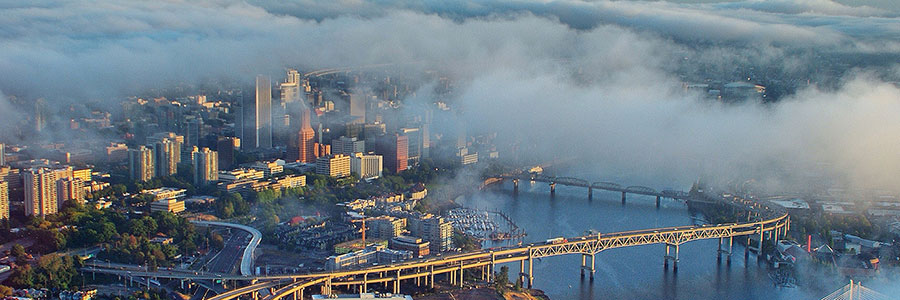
[(216, 241), (18, 251), (501, 281)]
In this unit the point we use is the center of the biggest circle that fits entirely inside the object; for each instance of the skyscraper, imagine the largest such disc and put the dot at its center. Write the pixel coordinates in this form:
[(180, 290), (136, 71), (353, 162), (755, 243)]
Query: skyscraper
[(140, 164), (167, 156), (2, 154), (225, 148), (290, 88), (40, 121), (40, 192), (4, 200), (206, 166), (357, 106), (414, 138), (307, 139), (394, 148), (263, 112)]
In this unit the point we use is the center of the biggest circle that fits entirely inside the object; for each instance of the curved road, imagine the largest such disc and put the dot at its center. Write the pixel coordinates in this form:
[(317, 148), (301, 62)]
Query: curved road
[(256, 237)]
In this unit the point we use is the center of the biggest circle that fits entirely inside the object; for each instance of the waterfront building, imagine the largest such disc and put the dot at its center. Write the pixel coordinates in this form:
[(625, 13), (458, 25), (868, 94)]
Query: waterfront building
[(434, 229), (371, 254), (417, 246)]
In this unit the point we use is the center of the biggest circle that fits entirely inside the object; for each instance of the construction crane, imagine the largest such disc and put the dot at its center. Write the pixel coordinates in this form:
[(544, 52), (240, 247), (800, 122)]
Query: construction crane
[(363, 228)]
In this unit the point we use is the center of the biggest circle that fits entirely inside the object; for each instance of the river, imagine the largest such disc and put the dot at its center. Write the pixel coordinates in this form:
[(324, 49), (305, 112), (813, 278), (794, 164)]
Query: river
[(632, 272)]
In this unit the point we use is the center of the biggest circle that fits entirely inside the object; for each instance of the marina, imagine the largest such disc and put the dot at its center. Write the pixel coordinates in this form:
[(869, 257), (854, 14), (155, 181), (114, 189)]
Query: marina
[(485, 225)]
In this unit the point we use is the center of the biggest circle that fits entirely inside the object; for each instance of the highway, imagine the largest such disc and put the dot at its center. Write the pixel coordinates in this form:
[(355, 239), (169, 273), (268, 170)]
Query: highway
[(249, 250)]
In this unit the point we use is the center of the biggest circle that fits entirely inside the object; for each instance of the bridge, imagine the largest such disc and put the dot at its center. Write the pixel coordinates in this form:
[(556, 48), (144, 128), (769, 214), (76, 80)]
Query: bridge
[(607, 186)]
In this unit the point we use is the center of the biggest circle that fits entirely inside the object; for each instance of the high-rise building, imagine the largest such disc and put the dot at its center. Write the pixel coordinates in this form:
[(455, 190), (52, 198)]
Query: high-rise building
[(333, 165), (434, 229), (140, 164), (366, 165), (40, 118), (225, 148), (263, 112), (4, 200), (386, 227), (307, 140), (290, 88), (2, 154), (347, 145), (194, 131), (414, 143), (167, 155), (69, 189), (206, 166), (40, 192), (357, 106), (394, 148)]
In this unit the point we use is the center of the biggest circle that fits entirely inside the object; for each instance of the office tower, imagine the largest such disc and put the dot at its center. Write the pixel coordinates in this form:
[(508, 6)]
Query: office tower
[(333, 165), (4, 200), (414, 137), (206, 166), (290, 88), (140, 164), (357, 106), (307, 140), (366, 165), (225, 148), (69, 189), (40, 192), (347, 145), (394, 148), (194, 132), (2, 154), (374, 130), (40, 108), (262, 112), (167, 155)]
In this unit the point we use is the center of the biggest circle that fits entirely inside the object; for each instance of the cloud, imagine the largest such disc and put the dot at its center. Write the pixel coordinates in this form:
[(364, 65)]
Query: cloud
[(602, 78)]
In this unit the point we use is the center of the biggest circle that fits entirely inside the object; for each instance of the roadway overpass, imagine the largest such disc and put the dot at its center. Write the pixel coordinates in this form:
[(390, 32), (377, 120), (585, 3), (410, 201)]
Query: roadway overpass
[(249, 251)]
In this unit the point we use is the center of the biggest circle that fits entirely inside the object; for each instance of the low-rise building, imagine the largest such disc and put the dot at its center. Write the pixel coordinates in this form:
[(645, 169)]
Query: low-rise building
[(165, 193), (372, 254), (241, 174), (170, 205), (268, 168), (415, 245), (386, 227)]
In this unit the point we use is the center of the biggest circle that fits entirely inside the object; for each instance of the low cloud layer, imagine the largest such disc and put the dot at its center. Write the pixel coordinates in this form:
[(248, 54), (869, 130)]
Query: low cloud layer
[(599, 80)]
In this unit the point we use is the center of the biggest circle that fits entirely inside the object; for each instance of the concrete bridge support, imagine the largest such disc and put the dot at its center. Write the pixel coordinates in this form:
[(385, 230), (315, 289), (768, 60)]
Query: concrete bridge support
[(515, 186), (674, 258), (727, 252), (460, 274), (657, 201), (431, 276), (530, 271), (591, 270), (623, 198), (552, 189), (590, 193), (397, 283)]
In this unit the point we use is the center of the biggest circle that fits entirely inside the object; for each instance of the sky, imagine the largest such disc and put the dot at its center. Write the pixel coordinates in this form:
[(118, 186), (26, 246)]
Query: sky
[(599, 80)]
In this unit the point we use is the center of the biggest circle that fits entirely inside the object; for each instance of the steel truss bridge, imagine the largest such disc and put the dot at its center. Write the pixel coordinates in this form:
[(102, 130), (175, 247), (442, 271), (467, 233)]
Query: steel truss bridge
[(762, 222), (591, 186)]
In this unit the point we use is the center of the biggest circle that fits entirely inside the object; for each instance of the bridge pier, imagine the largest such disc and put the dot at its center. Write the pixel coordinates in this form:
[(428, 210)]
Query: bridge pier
[(657, 201), (530, 270), (365, 285), (397, 283), (460, 274), (515, 186), (674, 259), (552, 189), (583, 259), (590, 193), (623, 198), (431, 276)]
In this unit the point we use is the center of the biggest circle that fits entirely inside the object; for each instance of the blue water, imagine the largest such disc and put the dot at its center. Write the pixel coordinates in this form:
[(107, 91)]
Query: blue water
[(627, 273)]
